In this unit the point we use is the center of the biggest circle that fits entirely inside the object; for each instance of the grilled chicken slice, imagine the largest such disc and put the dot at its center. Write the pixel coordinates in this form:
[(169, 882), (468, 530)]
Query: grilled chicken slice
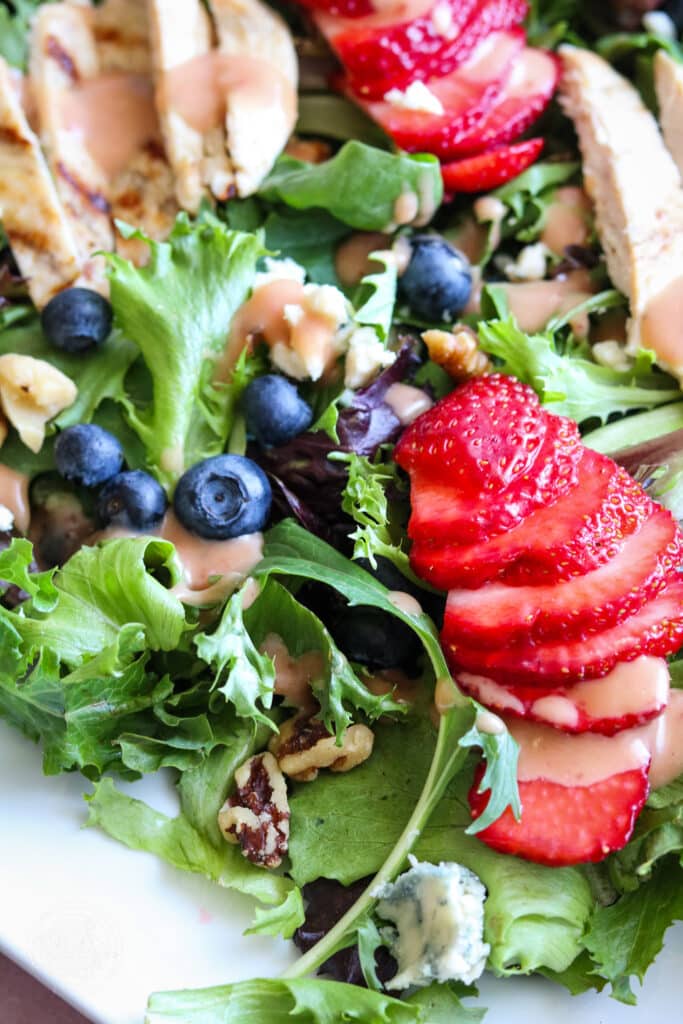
[(63, 53), (144, 195), (669, 86), (635, 186), (182, 33), (30, 211), (121, 33), (260, 75)]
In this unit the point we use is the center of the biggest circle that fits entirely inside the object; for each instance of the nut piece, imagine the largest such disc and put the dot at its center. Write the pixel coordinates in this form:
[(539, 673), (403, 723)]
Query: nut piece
[(458, 352), (32, 392), (304, 745), (257, 814)]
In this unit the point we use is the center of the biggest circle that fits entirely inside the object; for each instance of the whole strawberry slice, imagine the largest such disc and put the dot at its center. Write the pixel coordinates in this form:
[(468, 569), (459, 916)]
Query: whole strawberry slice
[(563, 825), (656, 629), (578, 532), (341, 8), (630, 695), (491, 169), (498, 614), (465, 96), (449, 512), (428, 40)]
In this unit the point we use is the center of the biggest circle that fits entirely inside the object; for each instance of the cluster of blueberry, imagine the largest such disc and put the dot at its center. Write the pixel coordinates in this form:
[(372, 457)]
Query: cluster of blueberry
[(219, 498)]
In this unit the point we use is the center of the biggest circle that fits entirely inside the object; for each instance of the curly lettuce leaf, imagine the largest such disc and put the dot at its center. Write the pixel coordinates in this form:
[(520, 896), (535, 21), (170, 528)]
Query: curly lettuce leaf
[(338, 689), (535, 916), (178, 309), (568, 381), (359, 186), (280, 1001), (441, 1004), (375, 296), (15, 569)]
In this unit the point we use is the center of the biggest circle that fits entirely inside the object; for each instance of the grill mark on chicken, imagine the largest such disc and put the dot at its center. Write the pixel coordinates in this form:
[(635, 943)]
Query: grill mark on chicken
[(56, 52), (94, 198)]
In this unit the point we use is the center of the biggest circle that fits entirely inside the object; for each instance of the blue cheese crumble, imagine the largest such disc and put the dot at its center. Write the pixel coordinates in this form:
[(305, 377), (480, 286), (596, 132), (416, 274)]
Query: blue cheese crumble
[(438, 911)]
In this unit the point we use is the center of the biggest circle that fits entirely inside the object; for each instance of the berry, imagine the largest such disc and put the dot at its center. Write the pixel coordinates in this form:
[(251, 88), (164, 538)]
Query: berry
[(87, 454), (488, 170), (274, 411), (133, 500), (564, 825), (76, 320), (466, 95), (656, 629), (498, 614), (437, 282), (375, 638), (223, 497), (594, 705), (389, 51)]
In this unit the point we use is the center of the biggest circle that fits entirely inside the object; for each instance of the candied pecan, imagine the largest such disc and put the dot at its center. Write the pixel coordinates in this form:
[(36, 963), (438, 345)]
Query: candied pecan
[(304, 745), (458, 352), (257, 814)]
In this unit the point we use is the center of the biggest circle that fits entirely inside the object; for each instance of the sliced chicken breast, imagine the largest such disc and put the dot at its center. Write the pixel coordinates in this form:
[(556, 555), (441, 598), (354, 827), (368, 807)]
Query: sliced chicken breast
[(635, 186), (669, 86), (260, 75), (181, 33), (30, 210), (121, 32), (63, 54)]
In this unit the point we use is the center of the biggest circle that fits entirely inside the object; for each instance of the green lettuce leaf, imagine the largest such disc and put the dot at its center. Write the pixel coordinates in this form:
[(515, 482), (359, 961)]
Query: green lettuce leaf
[(338, 689), (177, 842), (359, 185), (178, 309), (15, 24), (311, 241), (632, 430), (15, 562), (568, 381), (658, 834), (279, 1001), (335, 117), (535, 916), (375, 296), (440, 1004)]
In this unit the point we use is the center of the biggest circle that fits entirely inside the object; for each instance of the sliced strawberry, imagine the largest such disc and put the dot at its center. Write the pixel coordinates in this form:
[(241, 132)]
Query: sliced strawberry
[(498, 614), (466, 95), (526, 94), (440, 514), (415, 42), (580, 531), (342, 8), (489, 170), (656, 629), (628, 696), (562, 825)]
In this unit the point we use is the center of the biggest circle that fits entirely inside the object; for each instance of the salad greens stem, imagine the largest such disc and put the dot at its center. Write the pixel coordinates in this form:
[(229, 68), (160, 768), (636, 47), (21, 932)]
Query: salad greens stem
[(447, 761)]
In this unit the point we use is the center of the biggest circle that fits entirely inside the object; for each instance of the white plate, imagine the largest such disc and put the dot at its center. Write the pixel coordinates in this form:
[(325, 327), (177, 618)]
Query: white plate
[(104, 926)]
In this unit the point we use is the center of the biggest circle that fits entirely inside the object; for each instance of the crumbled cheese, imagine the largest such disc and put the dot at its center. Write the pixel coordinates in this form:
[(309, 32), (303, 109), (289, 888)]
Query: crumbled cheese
[(279, 270), (416, 97), (365, 357), (296, 357), (612, 354), (438, 912), (530, 264), (293, 313), (328, 301), (6, 519), (658, 23)]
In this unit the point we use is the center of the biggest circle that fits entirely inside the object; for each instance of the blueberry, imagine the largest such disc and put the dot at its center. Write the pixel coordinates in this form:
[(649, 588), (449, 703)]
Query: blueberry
[(437, 282), (77, 319), (133, 500), (274, 410), (87, 454), (223, 497), (375, 638)]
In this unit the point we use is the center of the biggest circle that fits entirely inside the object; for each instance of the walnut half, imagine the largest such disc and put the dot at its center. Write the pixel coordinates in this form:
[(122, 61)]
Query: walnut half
[(257, 814), (304, 746), (458, 352)]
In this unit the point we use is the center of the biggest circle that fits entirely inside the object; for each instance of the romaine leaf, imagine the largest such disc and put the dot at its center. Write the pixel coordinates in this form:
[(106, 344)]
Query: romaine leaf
[(338, 690), (568, 382), (178, 309), (360, 185), (243, 675), (177, 842), (535, 915), (279, 1001)]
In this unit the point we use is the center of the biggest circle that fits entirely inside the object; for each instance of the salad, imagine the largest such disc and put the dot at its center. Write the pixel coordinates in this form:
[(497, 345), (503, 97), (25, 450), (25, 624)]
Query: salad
[(341, 476)]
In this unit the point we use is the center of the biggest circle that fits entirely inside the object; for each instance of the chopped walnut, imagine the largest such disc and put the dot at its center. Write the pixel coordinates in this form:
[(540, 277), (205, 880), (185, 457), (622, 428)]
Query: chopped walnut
[(304, 746), (458, 352), (32, 392), (315, 151), (257, 814)]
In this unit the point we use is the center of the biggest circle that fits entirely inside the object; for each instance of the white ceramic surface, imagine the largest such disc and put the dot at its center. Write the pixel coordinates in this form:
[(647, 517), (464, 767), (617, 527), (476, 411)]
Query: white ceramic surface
[(104, 926)]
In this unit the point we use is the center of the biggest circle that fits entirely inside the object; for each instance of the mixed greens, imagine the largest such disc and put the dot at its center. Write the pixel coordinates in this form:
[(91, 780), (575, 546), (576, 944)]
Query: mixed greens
[(106, 667)]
